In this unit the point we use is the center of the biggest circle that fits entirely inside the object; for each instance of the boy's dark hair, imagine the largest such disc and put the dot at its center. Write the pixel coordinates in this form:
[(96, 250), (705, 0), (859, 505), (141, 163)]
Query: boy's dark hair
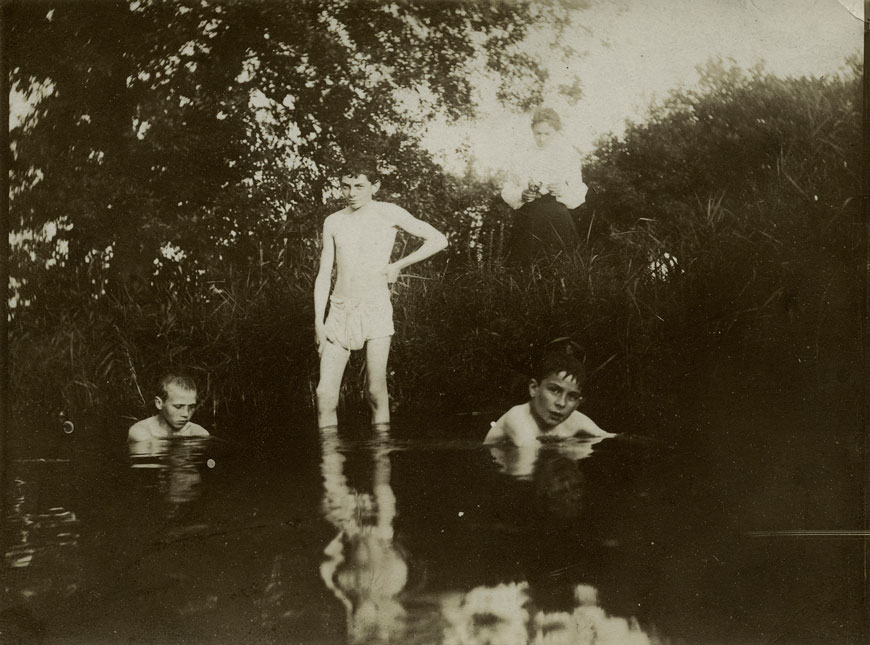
[(357, 165), (181, 381), (557, 359)]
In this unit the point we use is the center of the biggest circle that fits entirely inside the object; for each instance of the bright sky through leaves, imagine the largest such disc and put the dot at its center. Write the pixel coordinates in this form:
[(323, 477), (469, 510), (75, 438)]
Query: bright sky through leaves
[(632, 53)]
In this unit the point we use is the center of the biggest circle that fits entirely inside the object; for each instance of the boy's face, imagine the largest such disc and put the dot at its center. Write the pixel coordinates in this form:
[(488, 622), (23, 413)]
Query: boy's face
[(358, 191), (554, 399), (177, 409)]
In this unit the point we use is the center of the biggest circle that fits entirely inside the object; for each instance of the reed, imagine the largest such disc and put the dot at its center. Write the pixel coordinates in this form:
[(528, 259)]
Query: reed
[(751, 259), (466, 333)]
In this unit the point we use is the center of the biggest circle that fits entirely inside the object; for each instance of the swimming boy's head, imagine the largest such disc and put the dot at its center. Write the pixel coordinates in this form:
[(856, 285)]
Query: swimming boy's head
[(175, 400), (360, 181), (545, 125), (556, 388)]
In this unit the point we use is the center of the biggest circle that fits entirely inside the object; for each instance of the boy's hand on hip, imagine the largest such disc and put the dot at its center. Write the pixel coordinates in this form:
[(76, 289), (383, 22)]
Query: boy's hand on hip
[(392, 273), (320, 338)]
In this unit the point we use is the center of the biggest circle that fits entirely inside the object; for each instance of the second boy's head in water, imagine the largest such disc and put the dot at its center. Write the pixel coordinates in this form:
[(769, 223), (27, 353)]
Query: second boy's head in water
[(556, 388), (555, 392), (175, 401)]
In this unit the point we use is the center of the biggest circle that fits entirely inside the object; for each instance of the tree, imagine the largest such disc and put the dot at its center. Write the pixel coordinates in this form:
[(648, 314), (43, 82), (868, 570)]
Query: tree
[(217, 127), (757, 140), (749, 184)]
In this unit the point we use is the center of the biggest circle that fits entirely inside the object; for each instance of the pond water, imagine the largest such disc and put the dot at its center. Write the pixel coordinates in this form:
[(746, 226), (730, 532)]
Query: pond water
[(741, 527)]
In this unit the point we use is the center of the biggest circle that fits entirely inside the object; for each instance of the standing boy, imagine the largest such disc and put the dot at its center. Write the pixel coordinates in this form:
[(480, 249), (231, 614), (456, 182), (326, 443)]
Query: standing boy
[(175, 403), (358, 241), (551, 412)]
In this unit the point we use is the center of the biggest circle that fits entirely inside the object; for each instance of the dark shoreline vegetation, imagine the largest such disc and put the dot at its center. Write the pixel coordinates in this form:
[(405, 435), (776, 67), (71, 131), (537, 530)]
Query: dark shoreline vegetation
[(750, 183)]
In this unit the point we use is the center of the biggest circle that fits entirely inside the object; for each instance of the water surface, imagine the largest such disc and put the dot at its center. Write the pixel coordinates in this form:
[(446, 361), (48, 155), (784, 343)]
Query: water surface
[(423, 535)]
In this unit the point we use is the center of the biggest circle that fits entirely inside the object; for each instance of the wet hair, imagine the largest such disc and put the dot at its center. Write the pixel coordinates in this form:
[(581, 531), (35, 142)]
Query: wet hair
[(361, 165), (180, 381), (559, 359), (547, 115)]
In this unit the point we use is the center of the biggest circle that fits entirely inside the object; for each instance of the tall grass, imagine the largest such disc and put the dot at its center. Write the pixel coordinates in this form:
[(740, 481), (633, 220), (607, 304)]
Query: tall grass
[(243, 338), (751, 257), (466, 332)]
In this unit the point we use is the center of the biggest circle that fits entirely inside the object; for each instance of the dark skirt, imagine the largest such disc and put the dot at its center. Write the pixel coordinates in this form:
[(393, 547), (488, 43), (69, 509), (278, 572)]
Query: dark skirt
[(543, 227)]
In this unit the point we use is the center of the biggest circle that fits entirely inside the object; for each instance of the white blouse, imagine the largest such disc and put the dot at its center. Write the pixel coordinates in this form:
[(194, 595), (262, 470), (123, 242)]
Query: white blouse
[(557, 163)]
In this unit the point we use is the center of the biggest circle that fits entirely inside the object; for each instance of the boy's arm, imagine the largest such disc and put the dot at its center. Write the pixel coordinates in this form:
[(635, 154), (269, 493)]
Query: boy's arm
[(496, 432), (139, 431), (196, 430), (323, 282), (433, 241), (581, 424), (503, 430)]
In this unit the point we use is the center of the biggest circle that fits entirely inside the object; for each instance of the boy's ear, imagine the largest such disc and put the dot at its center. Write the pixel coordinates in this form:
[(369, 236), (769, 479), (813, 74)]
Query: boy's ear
[(376, 186), (533, 387), (158, 403)]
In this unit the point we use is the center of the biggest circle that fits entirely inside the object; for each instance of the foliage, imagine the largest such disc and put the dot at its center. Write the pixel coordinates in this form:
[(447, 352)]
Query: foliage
[(243, 339), (748, 185), (218, 127), (748, 139), (751, 183)]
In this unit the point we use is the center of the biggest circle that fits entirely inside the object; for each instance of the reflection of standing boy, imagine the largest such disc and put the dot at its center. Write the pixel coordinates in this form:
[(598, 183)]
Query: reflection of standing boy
[(358, 241), (365, 567)]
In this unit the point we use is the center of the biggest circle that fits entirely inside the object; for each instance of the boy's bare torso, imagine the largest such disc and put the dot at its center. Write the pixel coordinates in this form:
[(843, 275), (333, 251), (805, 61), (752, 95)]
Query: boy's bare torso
[(518, 425), (363, 244), (152, 428)]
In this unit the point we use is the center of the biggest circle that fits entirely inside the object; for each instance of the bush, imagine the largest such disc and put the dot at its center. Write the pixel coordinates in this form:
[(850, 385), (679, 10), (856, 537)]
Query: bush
[(725, 226)]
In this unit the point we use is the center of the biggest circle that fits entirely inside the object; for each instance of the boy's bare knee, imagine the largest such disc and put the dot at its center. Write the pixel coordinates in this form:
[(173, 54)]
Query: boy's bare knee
[(327, 397), (377, 393)]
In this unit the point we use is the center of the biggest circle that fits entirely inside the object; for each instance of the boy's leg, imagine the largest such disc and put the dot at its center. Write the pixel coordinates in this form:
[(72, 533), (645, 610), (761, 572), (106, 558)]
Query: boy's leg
[(377, 353), (333, 360)]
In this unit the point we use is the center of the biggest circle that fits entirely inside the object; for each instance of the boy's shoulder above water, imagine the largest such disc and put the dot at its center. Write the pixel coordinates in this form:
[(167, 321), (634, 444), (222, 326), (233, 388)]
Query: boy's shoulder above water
[(519, 427), (152, 428)]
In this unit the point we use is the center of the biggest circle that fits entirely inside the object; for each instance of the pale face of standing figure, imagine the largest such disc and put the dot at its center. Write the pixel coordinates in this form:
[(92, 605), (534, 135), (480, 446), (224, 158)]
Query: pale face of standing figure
[(358, 191), (544, 134)]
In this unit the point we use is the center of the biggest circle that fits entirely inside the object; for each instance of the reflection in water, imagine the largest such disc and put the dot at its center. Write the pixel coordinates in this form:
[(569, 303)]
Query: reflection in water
[(42, 560), (178, 463), (519, 461), (558, 487), (37, 533), (272, 598), (363, 568), (505, 615)]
